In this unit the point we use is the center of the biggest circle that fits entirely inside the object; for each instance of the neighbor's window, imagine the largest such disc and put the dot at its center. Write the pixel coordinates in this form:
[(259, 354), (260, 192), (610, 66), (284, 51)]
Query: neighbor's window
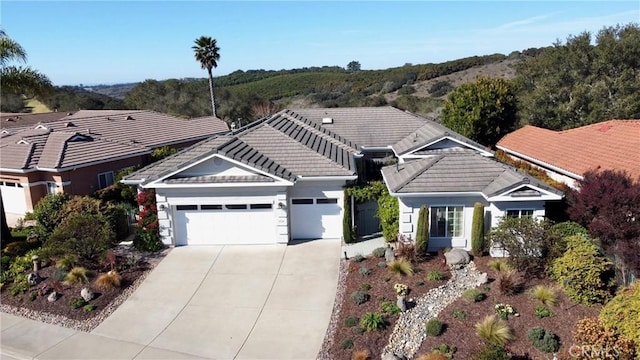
[(105, 179), (519, 213), (447, 221)]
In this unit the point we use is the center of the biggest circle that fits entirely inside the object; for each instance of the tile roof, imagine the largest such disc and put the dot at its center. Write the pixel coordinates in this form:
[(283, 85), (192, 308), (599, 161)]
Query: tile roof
[(15, 120), (365, 126), (282, 145), (456, 171), (613, 144), (431, 131), (93, 136)]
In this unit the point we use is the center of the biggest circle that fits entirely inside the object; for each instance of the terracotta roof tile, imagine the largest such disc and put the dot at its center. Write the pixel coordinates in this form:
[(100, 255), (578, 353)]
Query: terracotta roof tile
[(613, 144)]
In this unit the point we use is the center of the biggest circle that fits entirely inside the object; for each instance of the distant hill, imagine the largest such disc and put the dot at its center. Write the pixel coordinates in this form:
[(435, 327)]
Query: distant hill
[(118, 91)]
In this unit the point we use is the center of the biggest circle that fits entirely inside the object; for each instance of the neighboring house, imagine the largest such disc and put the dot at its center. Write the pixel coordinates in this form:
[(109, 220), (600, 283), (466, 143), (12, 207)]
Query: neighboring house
[(282, 178), (17, 120), (82, 152), (567, 155)]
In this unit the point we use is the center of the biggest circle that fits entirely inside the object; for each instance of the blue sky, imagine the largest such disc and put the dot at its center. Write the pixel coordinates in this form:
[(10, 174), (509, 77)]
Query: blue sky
[(92, 42)]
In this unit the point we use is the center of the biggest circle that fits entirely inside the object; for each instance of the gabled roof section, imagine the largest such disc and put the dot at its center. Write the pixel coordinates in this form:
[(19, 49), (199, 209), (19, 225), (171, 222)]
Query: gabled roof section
[(608, 145), (102, 136), (429, 134), (459, 172), (365, 126)]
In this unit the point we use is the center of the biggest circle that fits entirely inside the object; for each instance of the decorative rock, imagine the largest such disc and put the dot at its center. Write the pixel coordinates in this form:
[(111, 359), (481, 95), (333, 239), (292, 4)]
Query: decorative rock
[(390, 356), (483, 279), (401, 303), (457, 257), (389, 255), (52, 297), (86, 294), (34, 278)]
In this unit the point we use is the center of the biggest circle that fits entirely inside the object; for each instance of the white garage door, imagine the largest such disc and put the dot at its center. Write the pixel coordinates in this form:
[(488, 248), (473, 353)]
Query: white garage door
[(225, 224), (13, 197), (316, 218)]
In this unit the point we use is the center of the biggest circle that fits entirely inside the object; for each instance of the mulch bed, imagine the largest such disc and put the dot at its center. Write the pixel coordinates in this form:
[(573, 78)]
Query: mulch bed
[(381, 282), (458, 333)]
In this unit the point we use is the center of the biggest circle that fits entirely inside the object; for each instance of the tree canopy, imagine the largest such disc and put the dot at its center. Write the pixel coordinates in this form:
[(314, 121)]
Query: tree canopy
[(483, 110), (579, 82), (207, 53), (19, 80)]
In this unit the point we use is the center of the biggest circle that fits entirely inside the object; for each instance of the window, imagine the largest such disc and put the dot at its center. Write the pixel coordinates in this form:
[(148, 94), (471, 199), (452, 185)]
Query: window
[(519, 213), (446, 221), (302, 201), (326, 201), (236, 207), (105, 179), (210, 207), (187, 207), (52, 188), (260, 206)]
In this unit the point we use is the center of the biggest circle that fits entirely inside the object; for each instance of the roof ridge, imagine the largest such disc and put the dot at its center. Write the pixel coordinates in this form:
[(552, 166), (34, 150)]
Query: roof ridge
[(317, 127), (284, 173), (419, 170), (29, 157)]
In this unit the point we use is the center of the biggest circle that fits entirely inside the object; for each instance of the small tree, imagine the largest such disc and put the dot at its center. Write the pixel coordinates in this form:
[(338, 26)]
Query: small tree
[(83, 235), (47, 213), (388, 213), (347, 229), (525, 241), (477, 230), (147, 234), (422, 233), (353, 66)]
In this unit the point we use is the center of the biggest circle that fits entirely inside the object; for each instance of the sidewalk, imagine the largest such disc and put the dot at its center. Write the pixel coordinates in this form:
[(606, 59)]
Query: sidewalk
[(363, 248)]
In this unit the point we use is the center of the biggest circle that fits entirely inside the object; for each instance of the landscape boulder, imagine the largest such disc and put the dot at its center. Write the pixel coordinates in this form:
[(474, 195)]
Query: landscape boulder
[(86, 294), (389, 255), (457, 257), (34, 279), (52, 297)]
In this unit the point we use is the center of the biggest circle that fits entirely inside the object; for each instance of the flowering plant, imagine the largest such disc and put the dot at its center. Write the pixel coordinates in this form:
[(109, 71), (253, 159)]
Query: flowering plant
[(504, 310), (401, 289)]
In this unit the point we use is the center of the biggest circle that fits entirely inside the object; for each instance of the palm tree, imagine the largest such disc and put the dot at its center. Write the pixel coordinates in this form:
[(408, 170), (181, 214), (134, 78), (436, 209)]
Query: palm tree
[(207, 53), (20, 80)]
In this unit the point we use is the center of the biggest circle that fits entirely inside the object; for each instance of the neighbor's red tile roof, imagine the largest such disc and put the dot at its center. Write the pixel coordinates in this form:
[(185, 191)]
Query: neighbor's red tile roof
[(613, 144)]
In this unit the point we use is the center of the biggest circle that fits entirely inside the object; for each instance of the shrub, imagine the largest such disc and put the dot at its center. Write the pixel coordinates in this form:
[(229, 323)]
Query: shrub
[(592, 332), (492, 352), (543, 339), (440, 88), (83, 236), (401, 289), (445, 350), (108, 281), (406, 250), (422, 232), (390, 308), (147, 237), (459, 314), (379, 252), (622, 313), (89, 308), (372, 321), (77, 275), (569, 228), (47, 212), (494, 331), (435, 275), (60, 274), (477, 230), (434, 327), (359, 297), (510, 282), (473, 295), (544, 294), (365, 287), (543, 312), (20, 285), (382, 264), (351, 321), (388, 213), (347, 228), (499, 265), (583, 273), (400, 267), (358, 258), (77, 302), (346, 344), (525, 241), (361, 355), (364, 271), (504, 310), (65, 263)]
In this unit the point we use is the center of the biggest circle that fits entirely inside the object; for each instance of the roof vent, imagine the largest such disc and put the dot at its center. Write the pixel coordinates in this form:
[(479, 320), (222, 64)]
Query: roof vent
[(327, 120), (69, 124), (11, 119), (69, 114), (129, 117), (88, 131)]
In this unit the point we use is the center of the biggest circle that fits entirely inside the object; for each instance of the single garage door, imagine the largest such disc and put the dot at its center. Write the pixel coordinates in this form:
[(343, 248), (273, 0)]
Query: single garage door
[(13, 197), (218, 224), (316, 218)]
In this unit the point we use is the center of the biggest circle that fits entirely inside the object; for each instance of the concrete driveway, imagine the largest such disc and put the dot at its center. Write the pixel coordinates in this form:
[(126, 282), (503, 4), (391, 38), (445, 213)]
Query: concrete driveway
[(220, 302)]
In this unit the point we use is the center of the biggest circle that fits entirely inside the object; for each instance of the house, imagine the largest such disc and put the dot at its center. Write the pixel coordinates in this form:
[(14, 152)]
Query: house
[(567, 155), (17, 120), (81, 152), (282, 178)]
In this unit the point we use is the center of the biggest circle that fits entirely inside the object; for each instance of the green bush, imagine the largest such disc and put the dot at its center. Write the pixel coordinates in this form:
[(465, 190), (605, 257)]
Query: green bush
[(364, 271), (389, 308), (83, 236), (382, 264), (388, 213), (358, 258), (622, 313), (494, 331), (400, 267), (569, 228), (365, 287), (347, 228), (89, 308), (543, 339), (492, 352), (473, 295), (543, 312), (434, 327), (372, 321), (544, 294), (477, 230), (60, 274), (77, 302), (459, 314), (440, 88), (525, 239), (20, 285), (379, 252), (346, 344), (351, 321), (435, 275), (585, 275), (358, 297), (422, 232), (47, 212)]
